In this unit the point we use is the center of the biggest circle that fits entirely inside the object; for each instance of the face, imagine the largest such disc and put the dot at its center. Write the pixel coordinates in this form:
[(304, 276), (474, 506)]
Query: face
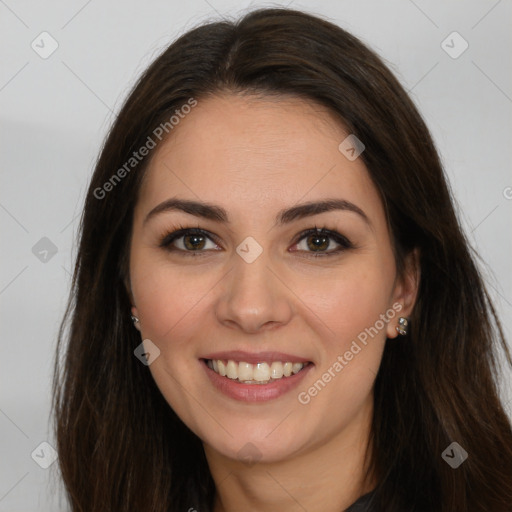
[(245, 277)]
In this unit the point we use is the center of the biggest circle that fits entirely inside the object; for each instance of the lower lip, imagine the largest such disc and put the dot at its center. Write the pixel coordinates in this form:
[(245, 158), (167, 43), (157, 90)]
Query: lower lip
[(255, 392)]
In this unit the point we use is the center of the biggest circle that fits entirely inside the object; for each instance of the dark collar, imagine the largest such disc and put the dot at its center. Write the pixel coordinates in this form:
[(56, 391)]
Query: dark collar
[(362, 504)]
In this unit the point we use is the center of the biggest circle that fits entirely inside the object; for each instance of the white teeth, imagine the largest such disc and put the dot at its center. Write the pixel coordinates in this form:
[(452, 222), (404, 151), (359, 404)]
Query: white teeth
[(245, 371), (276, 370), (296, 367), (259, 373), (232, 370)]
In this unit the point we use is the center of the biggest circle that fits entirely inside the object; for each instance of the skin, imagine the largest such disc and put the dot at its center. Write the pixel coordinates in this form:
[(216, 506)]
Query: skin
[(254, 157)]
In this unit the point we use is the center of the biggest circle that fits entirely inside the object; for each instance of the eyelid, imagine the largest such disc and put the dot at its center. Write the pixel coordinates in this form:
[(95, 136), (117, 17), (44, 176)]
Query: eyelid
[(183, 231), (340, 239), (343, 243), (331, 233)]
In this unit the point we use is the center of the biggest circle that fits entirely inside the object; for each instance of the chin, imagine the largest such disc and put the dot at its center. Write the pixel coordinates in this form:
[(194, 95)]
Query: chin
[(260, 443)]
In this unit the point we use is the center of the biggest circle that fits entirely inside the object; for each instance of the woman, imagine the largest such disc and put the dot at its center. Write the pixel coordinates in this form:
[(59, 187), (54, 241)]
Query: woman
[(274, 306)]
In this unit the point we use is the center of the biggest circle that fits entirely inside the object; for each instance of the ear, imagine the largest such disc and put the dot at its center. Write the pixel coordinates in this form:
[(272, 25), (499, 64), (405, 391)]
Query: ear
[(405, 291), (136, 314), (128, 288)]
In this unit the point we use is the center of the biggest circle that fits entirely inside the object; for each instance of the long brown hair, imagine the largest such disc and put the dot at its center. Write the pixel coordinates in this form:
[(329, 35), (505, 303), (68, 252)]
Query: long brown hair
[(122, 448)]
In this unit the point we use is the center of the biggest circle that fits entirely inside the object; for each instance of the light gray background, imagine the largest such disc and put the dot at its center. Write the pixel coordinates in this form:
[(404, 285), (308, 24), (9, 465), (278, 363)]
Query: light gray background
[(55, 113)]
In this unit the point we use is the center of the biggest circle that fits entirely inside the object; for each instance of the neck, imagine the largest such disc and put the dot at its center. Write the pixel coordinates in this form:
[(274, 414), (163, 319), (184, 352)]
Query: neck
[(328, 477)]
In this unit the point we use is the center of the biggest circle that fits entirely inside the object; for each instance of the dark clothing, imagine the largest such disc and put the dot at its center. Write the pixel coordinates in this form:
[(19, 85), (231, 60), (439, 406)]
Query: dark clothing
[(362, 504)]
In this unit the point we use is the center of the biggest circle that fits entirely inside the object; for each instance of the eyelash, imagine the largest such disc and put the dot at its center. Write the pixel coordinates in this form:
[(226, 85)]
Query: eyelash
[(168, 238)]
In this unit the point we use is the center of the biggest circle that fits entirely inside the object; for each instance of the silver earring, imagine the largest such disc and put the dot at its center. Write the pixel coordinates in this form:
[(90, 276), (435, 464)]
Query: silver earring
[(135, 320), (403, 326)]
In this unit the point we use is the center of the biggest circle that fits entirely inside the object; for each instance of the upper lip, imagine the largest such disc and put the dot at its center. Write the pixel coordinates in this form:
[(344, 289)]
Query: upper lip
[(256, 357)]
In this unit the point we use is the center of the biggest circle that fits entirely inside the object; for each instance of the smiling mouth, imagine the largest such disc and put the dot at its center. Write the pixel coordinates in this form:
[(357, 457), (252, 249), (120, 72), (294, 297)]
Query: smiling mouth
[(259, 373)]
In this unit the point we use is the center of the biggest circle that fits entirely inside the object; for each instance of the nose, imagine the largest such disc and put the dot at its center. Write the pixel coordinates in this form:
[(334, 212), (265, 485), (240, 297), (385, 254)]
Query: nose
[(254, 297)]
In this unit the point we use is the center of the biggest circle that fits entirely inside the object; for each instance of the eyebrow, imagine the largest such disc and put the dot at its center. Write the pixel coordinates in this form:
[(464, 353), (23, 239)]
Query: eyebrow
[(218, 214)]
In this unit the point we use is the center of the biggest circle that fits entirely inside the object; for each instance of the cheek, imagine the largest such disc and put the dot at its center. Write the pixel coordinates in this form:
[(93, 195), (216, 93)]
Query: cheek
[(167, 297), (351, 350), (170, 303), (352, 308), (351, 303)]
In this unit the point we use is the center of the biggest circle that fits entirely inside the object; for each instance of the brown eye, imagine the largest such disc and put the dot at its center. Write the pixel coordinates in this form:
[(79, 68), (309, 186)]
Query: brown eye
[(316, 242), (319, 241), (193, 242), (189, 241)]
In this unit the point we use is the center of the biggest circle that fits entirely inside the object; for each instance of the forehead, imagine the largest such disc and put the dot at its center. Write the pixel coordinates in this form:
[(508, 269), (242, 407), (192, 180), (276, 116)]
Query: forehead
[(257, 155)]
